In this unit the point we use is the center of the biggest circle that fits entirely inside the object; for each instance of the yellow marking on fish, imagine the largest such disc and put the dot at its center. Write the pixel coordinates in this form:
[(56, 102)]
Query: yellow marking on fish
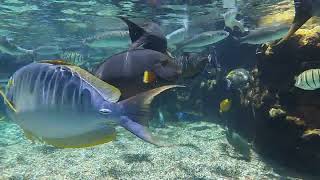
[(56, 62), (225, 105), (112, 92), (10, 83), (311, 132), (60, 143), (7, 102), (149, 77), (30, 136), (230, 74), (67, 142), (2, 118)]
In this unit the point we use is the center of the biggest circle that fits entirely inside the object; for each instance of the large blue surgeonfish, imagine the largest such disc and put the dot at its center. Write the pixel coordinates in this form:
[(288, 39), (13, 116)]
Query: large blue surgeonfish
[(67, 107)]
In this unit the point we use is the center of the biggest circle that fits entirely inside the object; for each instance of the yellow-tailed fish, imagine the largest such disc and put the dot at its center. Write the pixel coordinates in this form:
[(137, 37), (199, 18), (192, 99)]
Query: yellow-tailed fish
[(149, 77), (67, 107), (225, 105)]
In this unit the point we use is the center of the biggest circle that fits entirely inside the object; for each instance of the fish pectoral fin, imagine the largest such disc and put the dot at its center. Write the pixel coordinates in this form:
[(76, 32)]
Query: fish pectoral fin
[(7, 102), (140, 131), (149, 77)]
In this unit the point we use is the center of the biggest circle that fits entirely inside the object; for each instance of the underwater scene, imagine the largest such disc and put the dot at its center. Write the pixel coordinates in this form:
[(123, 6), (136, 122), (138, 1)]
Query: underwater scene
[(160, 89)]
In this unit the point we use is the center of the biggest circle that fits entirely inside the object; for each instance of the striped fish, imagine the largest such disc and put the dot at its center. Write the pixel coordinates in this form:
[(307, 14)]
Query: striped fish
[(67, 107), (308, 80), (73, 58)]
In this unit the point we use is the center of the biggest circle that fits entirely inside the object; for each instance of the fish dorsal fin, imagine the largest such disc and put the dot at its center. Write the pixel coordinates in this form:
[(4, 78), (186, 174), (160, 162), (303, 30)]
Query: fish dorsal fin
[(111, 93), (56, 62), (135, 31)]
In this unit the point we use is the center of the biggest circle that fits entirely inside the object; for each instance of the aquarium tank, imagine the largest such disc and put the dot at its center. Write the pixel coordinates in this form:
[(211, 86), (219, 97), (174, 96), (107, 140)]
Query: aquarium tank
[(159, 89)]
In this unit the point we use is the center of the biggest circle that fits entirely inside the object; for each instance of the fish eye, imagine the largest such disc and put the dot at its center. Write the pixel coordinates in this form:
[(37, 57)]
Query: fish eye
[(105, 111)]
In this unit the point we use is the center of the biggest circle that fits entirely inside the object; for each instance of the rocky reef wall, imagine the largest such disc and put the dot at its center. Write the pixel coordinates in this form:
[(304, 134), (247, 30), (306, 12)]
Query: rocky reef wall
[(285, 120)]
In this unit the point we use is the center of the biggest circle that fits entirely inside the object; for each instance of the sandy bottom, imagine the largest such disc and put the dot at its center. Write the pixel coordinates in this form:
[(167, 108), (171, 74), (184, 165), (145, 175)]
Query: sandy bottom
[(205, 155)]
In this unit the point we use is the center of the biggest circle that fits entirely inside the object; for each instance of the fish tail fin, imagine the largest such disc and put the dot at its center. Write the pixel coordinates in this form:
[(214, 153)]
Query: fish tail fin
[(137, 114)]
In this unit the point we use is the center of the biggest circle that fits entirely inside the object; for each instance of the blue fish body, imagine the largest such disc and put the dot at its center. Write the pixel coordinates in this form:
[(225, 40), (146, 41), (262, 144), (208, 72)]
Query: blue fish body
[(68, 107)]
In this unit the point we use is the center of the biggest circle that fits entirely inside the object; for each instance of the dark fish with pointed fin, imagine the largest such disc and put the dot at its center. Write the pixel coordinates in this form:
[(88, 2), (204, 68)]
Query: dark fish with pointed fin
[(304, 10), (67, 107), (149, 36), (126, 70)]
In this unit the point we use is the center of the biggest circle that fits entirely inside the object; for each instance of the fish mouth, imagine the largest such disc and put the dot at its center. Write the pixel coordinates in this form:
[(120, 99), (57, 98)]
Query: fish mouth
[(297, 23)]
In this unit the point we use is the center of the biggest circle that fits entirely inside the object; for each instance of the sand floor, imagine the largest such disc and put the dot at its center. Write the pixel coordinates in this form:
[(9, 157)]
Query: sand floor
[(205, 154)]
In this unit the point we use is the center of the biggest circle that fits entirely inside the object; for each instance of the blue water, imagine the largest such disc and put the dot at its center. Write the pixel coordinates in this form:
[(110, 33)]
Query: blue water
[(189, 117)]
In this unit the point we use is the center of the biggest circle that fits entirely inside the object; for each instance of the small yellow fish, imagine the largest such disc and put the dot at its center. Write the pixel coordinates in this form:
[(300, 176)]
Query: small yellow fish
[(225, 105), (149, 77)]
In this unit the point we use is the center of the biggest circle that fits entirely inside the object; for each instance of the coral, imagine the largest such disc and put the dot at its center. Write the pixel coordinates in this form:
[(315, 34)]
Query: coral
[(284, 120), (283, 12), (296, 120), (309, 36), (311, 132), (284, 17), (276, 112)]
